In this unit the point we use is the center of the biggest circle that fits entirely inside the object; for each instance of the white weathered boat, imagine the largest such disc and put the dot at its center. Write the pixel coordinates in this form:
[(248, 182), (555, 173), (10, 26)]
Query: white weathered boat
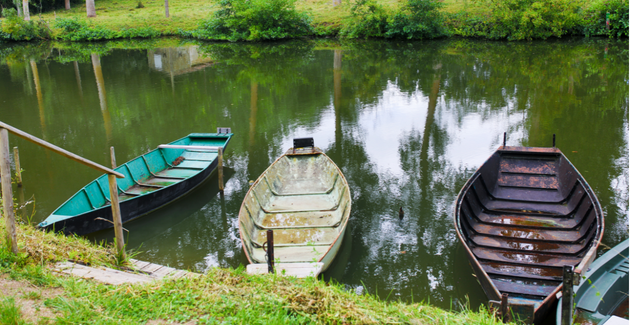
[(305, 199)]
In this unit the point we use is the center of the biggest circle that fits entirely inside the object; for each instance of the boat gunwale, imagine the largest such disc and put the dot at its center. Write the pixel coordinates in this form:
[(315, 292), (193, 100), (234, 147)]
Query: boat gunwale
[(613, 253), (315, 151), (590, 249), (107, 203)]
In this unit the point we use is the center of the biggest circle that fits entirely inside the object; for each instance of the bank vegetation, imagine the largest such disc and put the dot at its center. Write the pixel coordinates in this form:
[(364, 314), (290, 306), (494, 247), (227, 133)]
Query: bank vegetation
[(261, 20), (40, 295)]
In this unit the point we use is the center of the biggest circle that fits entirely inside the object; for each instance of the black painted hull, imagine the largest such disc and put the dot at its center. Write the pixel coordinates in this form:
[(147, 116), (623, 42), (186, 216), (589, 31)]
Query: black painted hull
[(101, 218)]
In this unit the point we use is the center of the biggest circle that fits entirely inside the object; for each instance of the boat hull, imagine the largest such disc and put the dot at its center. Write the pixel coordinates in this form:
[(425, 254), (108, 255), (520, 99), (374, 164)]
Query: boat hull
[(603, 293), (101, 219), (305, 199), (142, 177), (523, 215)]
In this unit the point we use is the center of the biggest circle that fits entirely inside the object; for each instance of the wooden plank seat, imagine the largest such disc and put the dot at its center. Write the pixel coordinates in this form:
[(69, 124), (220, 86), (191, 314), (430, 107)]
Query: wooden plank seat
[(296, 236), (522, 271), (293, 254)]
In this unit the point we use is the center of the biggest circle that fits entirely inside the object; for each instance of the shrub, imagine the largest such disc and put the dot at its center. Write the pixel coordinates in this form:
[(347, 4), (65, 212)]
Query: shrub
[(529, 19), (418, 19), (73, 29), (14, 28), (254, 20), (367, 19), (595, 19)]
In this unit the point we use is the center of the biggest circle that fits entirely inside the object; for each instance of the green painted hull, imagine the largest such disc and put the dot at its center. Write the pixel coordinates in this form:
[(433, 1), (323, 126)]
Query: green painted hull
[(151, 181), (603, 292)]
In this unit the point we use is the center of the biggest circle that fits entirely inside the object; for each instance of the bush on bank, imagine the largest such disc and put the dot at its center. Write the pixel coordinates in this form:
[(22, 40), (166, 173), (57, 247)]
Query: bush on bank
[(254, 20), (541, 19), (76, 30), (260, 20), (14, 28)]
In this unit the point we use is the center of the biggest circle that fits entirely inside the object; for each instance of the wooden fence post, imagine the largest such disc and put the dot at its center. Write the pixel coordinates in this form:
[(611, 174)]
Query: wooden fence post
[(18, 168), (7, 191), (113, 197)]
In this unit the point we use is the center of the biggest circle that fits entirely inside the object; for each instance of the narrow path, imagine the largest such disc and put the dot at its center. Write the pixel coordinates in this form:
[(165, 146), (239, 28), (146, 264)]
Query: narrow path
[(145, 272)]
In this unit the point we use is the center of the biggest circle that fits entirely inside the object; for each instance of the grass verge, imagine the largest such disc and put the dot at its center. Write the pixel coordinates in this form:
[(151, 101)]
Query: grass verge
[(220, 296)]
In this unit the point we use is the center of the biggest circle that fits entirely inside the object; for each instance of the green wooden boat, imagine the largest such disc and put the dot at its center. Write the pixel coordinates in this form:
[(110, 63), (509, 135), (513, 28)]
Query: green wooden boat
[(602, 296), (305, 199), (151, 181)]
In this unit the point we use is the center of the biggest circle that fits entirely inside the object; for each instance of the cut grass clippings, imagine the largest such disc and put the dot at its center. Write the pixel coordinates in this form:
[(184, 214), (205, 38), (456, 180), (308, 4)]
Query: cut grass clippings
[(220, 296)]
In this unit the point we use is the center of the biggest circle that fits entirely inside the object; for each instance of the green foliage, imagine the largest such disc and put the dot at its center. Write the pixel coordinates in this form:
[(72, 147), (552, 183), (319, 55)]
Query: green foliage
[(367, 19), (254, 20), (78, 30), (418, 19), (14, 28), (523, 19), (595, 19), (9, 312)]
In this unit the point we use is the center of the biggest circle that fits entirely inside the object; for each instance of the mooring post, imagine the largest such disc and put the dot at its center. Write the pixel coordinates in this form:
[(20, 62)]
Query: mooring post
[(567, 295), (504, 307), (113, 196), (7, 191), (504, 138), (270, 256), (18, 169), (554, 140), (220, 167)]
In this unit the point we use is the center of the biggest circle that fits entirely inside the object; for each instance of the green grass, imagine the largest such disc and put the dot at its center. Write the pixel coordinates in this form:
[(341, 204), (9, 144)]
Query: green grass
[(10, 312), (220, 296)]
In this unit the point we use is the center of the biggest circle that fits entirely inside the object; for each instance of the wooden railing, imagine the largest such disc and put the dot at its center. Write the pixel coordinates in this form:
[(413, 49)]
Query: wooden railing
[(7, 193)]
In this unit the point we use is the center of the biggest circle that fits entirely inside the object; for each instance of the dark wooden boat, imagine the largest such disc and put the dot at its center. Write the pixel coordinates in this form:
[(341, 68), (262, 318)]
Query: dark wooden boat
[(602, 297), (523, 215), (151, 181)]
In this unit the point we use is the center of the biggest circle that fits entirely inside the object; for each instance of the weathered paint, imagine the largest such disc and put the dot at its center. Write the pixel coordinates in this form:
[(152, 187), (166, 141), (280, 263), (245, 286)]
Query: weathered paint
[(604, 290), (523, 215), (305, 199), (150, 182)]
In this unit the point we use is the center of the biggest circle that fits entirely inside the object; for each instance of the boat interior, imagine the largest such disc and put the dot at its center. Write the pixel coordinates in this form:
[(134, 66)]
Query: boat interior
[(524, 215), (304, 199), (150, 172)]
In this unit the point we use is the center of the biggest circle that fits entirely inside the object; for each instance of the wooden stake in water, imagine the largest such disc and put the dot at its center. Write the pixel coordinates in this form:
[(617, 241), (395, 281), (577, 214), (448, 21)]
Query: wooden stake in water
[(18, 169), (220, 168), (7, 191), (113, 196), (270, 252)]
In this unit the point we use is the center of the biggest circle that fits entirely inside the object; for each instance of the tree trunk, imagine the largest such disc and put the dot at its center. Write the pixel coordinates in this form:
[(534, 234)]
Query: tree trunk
[(67, 4), (166, 7), (27, 14), (90, 8), (19, 8)]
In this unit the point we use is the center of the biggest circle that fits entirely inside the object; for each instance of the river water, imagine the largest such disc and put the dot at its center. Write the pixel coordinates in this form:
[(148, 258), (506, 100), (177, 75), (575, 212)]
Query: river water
[(407, 123)]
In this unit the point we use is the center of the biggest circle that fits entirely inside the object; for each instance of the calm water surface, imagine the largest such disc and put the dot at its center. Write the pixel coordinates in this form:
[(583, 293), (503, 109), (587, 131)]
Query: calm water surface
[(407, 123)]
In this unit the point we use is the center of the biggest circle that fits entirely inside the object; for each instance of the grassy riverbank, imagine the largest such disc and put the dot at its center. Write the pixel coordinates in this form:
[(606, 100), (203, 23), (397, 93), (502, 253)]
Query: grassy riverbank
[(258, 20), (31, 293)]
